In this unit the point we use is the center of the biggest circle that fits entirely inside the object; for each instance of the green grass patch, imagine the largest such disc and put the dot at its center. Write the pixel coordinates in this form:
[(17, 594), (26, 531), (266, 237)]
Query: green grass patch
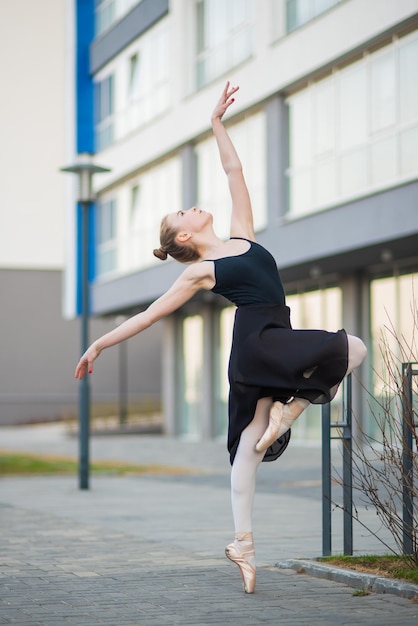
[(388, 565), (26, 464), (359, 593)]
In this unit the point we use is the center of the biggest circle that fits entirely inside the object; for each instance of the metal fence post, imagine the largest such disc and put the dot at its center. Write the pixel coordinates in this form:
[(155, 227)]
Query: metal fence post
[(348, 470), (326, 479), (407, 465)]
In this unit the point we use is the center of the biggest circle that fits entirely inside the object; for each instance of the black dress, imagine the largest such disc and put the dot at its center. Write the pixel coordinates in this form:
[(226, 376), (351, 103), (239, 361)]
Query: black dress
[(268, 358)]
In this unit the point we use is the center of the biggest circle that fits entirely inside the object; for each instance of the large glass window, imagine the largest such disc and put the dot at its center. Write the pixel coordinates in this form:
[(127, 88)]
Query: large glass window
[(249, 139), (224, 36), (134, 87), (356, 130), (299, 12), (107, 12), (226, 323), (147, 72), (156, 193), (104, 112), (321, 309), (133, 231), (394, 338), (192, 371), (394, 322), (106, 240)]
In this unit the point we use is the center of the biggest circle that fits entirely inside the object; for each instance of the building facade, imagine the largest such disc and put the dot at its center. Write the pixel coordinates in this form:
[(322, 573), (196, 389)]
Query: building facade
[(40, 347), (326, 125)]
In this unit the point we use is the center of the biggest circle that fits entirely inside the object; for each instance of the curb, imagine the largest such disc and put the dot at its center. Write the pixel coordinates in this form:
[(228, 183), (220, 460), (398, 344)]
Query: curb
[(358, 580)]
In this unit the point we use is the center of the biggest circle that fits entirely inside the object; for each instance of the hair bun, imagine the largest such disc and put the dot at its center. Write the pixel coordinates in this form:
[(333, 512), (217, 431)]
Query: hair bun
[(160, 254)]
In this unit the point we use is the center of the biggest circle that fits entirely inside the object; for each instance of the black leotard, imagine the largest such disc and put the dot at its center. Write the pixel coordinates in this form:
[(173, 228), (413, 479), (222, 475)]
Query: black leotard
[(269, 358), (250, 277)]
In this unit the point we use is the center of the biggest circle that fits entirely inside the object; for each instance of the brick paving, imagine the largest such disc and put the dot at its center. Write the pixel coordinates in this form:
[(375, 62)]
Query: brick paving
[(148, 550)]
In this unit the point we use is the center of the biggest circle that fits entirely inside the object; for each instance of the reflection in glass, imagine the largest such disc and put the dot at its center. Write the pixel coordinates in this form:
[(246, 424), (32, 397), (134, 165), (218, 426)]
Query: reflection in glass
[(383, 160), (353, 170), (226, 322), (408, 79), (394, 334), (383, 91), (409, 150), (192, 376), (353, 106)]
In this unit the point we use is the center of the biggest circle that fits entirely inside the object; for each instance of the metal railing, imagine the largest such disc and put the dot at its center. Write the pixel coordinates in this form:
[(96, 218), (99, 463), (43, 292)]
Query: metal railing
[(344, 430), (408, 431), (345, 434)]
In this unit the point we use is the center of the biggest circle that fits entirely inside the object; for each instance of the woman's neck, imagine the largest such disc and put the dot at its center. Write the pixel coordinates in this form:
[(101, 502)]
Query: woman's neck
[(210, 247)]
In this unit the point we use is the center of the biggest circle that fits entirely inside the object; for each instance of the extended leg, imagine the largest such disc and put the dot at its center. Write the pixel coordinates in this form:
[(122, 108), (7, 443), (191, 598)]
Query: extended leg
[(282, 416), (243, 480), (357, 352)]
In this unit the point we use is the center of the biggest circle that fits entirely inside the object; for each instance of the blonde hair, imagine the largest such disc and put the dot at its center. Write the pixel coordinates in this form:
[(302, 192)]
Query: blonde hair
[(169, 245)]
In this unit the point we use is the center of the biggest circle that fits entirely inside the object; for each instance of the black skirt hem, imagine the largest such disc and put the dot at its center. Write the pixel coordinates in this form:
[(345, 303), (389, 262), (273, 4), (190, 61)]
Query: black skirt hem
[(270, 359)]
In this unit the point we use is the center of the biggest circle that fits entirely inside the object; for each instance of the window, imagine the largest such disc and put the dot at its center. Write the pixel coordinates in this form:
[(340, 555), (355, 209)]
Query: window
[(394, 338), (106, 259), (135, 242), (356, 130), (133, 81), (394, 321), (192, 372), (107, 12), (299, 12), (226, 324), (224, 36), (157, 193), (148, 79), (104, 112), (249, 138), (127, 237), (315, 309), (105, 15)]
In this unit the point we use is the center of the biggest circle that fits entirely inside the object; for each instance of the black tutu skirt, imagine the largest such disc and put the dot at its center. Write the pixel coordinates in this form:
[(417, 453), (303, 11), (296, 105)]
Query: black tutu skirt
[(270, 359)]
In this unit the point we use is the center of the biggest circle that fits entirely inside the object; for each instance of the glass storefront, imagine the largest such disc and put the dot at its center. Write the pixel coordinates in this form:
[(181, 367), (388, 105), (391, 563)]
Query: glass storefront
[(191, 376), (319, 309), (394, 340)]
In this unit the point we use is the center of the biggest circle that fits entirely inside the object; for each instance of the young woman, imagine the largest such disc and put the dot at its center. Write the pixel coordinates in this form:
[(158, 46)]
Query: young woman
[(274, 371)]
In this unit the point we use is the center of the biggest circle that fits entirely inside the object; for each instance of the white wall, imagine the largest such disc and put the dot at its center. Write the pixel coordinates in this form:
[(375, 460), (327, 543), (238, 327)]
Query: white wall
[(32, 131), (279, 62)]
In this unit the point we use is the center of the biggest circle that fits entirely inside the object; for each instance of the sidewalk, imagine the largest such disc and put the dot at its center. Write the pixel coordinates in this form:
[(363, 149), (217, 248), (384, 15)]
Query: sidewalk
[(144, 550)]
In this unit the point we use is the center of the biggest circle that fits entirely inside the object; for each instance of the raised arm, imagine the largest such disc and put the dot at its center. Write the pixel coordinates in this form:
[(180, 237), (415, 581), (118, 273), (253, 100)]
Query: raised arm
[(242, 224), (193, 278)]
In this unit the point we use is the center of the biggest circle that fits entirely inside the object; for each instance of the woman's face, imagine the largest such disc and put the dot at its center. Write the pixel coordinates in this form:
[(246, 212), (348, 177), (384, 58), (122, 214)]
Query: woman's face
[(192, 220)]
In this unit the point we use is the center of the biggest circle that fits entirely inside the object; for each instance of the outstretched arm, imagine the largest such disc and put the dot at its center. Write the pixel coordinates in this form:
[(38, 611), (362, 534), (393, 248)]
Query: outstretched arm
[(242, 224), (193, 278)]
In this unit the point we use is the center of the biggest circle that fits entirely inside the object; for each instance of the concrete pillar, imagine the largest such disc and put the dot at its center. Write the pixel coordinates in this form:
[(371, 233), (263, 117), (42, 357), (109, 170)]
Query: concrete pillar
[(189, 176), (355, 314), (277, 158), (169, 375)]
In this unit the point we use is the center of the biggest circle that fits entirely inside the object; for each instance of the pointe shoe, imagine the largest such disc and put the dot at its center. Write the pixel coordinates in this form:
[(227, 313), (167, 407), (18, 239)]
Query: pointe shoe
[(273, 428), (238, 553)]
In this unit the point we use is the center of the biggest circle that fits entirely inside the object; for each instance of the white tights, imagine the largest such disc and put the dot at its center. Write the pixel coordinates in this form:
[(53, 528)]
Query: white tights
[(247, 459), (244, 468)]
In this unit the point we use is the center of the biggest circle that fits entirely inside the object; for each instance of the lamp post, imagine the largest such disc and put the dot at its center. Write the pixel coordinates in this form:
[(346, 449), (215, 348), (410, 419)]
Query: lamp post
[(85, 171)]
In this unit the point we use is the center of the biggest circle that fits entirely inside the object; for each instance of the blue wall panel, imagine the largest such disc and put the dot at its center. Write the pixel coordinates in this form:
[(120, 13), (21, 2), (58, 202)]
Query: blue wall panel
[(84, 93), (84, 82)]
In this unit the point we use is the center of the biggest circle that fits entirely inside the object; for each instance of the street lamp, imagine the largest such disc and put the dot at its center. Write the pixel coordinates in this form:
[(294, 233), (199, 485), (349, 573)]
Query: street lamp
[(85, 171)]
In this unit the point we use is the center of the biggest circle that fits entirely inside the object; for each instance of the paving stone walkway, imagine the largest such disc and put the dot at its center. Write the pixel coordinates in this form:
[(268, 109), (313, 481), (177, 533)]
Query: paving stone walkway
[(148, 550)]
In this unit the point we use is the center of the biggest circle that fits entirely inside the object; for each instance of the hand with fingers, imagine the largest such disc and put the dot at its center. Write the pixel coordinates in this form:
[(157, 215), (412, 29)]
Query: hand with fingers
[(224, 102), (85, 364)]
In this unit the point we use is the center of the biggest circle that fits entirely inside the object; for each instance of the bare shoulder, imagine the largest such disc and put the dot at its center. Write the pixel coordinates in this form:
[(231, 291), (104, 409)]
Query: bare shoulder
[(202, 274)]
